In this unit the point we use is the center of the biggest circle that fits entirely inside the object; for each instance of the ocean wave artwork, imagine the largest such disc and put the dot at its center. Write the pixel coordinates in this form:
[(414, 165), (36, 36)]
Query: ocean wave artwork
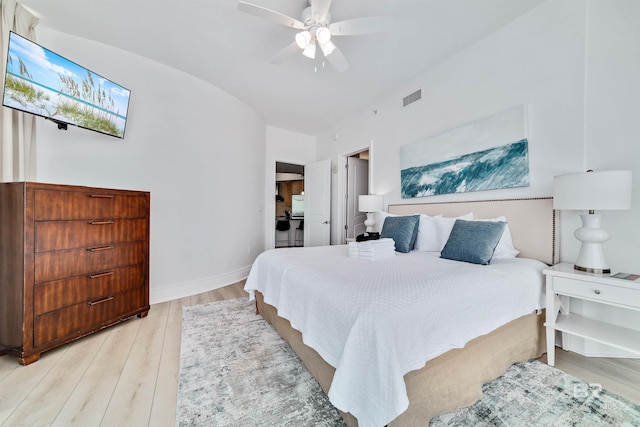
[(505, 166)]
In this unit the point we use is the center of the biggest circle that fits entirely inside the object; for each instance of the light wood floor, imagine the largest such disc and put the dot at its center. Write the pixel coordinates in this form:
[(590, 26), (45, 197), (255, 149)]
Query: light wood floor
[(127, 375)]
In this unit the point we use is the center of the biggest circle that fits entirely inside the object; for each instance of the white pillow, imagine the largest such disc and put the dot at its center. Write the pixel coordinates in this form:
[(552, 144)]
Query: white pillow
[(427, 239), (444, 226), (505, 248)]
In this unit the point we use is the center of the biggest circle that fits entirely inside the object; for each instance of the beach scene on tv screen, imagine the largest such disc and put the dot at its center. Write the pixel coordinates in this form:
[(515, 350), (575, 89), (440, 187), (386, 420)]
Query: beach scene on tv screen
[(44, 83)]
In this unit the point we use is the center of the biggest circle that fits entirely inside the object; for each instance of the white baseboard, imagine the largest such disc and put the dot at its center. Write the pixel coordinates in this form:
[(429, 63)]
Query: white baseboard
[(181, 290)]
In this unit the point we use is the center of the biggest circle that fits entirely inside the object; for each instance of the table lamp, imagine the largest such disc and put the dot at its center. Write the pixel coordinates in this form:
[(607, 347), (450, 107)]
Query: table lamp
[(591, 191), (370, 204)]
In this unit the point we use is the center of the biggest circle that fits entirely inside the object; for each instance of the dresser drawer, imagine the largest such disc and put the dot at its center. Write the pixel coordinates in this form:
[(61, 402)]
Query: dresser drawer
[(56, 235), (85, 317), (595, 291), (62, 293), (74, 262), (63, 205)]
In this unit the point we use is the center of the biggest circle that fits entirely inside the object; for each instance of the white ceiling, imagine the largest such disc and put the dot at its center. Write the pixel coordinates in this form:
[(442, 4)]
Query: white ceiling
[(215, 42)]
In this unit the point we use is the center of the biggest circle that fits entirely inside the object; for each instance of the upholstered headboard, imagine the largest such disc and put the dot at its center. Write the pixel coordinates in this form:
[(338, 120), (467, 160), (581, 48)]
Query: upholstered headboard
[(533, 222)]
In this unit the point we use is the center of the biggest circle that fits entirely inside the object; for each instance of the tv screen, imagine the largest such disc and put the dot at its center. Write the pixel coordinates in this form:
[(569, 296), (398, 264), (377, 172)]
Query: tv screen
[(44, 83)]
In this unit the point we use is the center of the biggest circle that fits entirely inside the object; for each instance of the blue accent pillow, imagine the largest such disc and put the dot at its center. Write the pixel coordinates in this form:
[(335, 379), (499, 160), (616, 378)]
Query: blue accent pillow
[(403, 230), (473, 241)]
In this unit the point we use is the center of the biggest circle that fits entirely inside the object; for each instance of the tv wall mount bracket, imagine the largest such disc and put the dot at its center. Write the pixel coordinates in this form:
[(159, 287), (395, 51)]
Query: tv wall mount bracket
[(61, 125)]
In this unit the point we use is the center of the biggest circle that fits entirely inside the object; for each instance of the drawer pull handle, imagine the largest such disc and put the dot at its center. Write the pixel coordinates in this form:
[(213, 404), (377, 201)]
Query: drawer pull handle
[(101, 222), (100, 301), (99, 248), (597, 291), (106, 273), (102, 196)]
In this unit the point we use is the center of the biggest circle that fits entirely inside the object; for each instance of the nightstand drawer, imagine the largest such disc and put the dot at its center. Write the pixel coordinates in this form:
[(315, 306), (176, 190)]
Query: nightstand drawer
[(596, 291)]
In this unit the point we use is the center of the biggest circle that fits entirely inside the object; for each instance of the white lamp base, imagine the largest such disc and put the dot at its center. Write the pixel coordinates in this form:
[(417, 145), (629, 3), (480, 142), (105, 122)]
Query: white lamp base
[(370, 222), (591, 257)]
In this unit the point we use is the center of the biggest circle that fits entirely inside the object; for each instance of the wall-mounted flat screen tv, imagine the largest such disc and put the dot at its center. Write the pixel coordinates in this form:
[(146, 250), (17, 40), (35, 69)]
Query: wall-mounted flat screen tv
[(41, 82)]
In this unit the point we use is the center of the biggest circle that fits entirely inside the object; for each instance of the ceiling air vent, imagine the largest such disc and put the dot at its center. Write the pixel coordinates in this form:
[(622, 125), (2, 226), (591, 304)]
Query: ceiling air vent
[(415, 96)]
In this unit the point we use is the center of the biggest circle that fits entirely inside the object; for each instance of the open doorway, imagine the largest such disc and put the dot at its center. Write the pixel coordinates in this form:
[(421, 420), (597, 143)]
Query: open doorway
[(356, 184), (289, 205)]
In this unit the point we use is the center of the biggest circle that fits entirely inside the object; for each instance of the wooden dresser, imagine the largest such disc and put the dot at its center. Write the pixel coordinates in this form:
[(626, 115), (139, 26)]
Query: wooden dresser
[(73, 260)]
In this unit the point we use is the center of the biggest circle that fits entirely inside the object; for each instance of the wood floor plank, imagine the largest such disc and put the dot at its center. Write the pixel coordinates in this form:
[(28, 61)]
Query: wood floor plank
[(618, 369), (217, 294), (58, 384), (133, 396), (229, 292), (200, 299), (613, 374), (237, 291), (16, 386), (7, 364), (88, 402), (160, 310), (175, 310), (163, 411)]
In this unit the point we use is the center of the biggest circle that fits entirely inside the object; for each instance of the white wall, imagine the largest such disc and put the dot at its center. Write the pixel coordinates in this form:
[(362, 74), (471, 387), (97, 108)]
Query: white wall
[(282, 146), (537, 60), (612, 109), (574, 64), (613, 118), (199, 151)]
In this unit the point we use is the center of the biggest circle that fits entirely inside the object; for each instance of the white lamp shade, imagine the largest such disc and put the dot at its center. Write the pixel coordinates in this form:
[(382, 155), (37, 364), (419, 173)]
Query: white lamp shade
[(303, 38), (323, 35), (310, 50), (605, 190), (370, 203), (327, 48)]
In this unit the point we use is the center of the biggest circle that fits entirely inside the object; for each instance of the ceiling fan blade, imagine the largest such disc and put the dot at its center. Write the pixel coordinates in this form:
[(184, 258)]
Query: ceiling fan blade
[(320, 9), (285, 53), (358, 26), (271, 15), (337, 60)]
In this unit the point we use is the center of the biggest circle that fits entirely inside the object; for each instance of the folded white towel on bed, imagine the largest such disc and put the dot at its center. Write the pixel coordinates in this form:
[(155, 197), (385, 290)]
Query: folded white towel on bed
[(372, 250)]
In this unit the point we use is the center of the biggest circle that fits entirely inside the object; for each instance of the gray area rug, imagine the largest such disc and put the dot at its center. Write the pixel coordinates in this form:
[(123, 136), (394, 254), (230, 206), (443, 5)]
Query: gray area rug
[(235, 370), (536, 394)]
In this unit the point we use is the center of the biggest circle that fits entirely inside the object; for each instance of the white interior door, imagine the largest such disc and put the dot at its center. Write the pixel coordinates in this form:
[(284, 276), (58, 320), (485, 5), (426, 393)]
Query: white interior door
[(317, 209), (357, 184)]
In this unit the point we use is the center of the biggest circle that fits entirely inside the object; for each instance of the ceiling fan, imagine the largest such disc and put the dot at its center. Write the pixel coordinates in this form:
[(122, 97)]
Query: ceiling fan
[(316, 30)]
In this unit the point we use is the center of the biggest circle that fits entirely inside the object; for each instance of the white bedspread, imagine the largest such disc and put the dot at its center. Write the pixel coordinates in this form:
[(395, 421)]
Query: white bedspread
[(376, 321)]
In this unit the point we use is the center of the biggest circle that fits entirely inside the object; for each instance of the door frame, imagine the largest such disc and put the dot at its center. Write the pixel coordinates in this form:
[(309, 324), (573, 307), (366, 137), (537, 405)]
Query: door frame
[(342, 186), (270, 205)]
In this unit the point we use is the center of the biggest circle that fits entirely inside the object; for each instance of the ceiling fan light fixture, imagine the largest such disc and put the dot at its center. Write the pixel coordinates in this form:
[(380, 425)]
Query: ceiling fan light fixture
[(303, 38), (310, 50), (327, 48), (323, 35)]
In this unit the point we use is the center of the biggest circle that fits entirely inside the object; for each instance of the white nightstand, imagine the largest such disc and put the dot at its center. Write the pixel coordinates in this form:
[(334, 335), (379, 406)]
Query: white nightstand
[(564, 283)]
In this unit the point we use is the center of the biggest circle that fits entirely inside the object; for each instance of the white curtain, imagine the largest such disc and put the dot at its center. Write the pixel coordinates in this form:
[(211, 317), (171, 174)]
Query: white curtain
[(18, 137)]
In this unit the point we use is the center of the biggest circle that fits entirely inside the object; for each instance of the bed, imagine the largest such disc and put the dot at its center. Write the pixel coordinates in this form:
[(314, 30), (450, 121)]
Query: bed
[(456, 334)]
